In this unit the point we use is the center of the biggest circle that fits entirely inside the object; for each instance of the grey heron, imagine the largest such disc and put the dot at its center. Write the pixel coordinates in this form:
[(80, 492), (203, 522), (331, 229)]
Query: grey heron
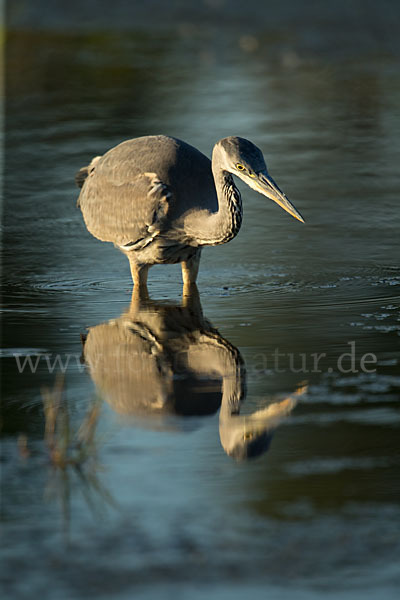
[(160, 200)]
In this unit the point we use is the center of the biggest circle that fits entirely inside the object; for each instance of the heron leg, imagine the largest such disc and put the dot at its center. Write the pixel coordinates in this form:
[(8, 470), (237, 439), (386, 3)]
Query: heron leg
[(139, 273), (190, 269)]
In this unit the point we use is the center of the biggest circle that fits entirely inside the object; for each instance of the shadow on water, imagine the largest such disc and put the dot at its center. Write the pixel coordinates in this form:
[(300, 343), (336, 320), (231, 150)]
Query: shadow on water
[(160, 358)]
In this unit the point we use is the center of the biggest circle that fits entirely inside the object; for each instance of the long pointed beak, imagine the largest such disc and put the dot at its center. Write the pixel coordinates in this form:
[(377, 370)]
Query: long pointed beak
[(267, 186)]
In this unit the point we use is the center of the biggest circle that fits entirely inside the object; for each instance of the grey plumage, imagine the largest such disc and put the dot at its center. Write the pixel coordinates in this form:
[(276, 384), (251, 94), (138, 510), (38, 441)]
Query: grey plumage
[(160, 200)]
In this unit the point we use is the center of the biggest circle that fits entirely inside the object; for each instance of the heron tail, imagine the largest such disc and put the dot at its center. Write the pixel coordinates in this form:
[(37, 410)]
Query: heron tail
[(82, 174)]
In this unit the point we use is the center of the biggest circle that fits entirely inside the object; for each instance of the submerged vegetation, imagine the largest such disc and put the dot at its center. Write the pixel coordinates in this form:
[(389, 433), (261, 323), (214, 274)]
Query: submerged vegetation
[(71, 450), (68, 447)]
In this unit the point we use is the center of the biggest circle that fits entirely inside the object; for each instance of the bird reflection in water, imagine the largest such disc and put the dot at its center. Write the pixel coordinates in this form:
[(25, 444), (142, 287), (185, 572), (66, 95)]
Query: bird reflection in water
[(159, 359)]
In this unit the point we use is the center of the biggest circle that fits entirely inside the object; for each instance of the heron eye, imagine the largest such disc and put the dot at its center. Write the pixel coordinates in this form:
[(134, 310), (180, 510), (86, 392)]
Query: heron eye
[(240, 167), (248, 435)]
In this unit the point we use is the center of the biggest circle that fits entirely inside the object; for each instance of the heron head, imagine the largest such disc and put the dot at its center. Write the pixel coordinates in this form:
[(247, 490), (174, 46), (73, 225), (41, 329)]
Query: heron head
[(246, 439), (242, 158)]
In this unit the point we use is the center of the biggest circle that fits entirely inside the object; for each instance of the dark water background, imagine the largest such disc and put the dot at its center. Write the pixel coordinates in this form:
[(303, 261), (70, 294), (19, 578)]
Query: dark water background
[(317, 87)]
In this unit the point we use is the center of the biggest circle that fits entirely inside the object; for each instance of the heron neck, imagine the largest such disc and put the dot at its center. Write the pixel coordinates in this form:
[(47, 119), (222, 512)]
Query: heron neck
[(228, 219), (209, 228)]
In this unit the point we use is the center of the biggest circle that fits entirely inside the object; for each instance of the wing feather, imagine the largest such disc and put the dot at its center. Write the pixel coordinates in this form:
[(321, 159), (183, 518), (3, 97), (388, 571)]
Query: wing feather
[(122, 206)]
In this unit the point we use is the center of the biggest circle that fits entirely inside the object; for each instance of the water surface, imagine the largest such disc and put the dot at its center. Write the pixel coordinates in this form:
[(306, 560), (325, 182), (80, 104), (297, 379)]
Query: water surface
[(166, 510)]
